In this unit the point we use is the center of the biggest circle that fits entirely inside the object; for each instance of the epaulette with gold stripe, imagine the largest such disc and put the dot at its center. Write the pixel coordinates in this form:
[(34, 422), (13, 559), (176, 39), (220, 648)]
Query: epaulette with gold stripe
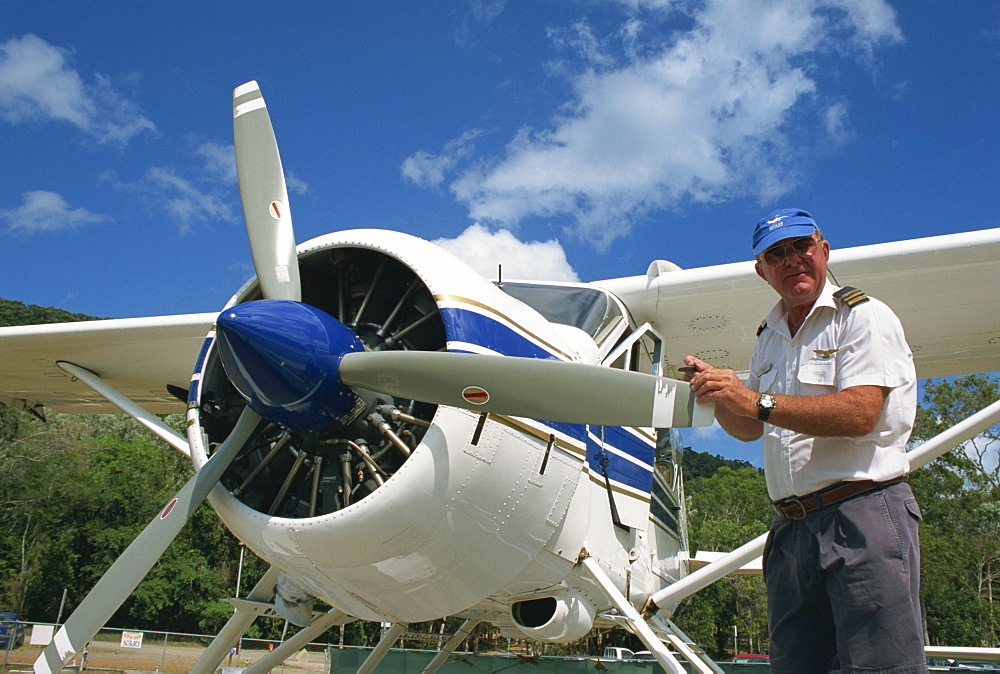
[(851, 296), (763, 325)]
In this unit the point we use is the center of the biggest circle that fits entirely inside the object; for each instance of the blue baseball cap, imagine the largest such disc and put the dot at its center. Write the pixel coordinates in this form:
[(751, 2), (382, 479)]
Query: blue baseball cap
[(784, 223)]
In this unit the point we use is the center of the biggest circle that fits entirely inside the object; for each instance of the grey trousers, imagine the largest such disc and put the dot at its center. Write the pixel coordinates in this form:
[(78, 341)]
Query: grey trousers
[(843, 587)]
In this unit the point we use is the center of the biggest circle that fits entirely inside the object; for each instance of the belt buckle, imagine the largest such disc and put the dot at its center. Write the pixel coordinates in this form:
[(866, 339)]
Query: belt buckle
[(792, 509)]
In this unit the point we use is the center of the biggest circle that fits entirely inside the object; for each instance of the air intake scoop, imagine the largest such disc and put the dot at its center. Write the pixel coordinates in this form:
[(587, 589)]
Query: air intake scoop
[(283, 357)]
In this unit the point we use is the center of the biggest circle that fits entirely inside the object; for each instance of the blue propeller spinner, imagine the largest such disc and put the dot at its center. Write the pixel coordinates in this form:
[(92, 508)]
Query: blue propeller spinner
[(283, 357)]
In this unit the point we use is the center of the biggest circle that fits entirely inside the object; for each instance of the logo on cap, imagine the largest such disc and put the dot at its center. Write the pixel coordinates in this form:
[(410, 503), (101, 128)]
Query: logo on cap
[(776, 222)]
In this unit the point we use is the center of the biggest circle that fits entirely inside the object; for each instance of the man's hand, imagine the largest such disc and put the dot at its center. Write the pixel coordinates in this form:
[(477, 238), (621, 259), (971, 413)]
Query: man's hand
[(712, 384), (736, 405)]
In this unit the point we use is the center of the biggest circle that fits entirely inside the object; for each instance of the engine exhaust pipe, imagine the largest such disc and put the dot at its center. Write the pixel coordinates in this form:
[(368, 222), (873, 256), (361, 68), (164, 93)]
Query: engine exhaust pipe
[(562, 617)]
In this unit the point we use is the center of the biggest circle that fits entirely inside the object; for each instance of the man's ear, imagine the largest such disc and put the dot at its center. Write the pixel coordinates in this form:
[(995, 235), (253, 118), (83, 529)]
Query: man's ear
[(760, 272)]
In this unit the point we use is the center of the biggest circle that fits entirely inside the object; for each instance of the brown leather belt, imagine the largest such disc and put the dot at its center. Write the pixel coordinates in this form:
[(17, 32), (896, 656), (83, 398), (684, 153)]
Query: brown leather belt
[(799, 507)]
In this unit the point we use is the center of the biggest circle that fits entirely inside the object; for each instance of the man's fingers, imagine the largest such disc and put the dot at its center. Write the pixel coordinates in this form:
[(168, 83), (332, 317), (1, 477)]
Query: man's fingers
[(710, 382)]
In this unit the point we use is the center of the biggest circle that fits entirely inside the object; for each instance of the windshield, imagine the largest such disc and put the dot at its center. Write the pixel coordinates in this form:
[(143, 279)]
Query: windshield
[(589, 309)]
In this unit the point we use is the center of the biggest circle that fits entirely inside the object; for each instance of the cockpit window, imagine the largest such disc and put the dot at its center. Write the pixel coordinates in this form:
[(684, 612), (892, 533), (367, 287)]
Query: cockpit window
[(589, 309)]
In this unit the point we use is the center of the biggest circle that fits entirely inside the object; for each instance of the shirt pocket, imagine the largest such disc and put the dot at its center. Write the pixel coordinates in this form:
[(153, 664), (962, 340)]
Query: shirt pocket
[(818, 375)]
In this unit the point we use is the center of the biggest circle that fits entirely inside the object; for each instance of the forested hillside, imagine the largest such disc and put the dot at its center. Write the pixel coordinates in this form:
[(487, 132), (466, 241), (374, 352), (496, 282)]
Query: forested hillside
[(74, 492), (19, 313)]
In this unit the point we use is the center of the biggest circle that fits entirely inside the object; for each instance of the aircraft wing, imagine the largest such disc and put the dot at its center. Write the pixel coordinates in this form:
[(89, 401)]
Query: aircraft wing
[(943, 288), (138, 356)]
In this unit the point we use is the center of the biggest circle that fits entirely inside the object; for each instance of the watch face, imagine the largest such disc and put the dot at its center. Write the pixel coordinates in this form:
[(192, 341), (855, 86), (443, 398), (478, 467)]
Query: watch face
[(765, 404)]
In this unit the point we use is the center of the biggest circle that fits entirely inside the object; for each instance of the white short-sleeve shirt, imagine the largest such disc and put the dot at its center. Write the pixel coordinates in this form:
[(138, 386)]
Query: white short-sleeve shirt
[(838, 346)]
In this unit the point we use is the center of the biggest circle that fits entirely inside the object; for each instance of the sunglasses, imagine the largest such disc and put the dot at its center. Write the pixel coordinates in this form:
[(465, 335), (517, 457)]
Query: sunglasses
[(775, 255)]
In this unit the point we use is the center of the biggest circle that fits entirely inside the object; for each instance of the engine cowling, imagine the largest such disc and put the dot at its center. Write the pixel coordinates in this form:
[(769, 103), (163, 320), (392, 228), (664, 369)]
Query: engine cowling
[(395, 514)]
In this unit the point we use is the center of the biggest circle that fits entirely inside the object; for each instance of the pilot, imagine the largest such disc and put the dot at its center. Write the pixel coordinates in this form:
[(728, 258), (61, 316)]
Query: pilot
[(832, 390)]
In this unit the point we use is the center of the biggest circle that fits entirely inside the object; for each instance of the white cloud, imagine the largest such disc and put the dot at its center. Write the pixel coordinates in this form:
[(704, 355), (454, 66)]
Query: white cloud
[(294, 184), (485, 251), (44, 211), (220, 161), (707, 434), (37, 83), (476, 15), (424, 169), (701, 115), (186, 201), (837, 123)]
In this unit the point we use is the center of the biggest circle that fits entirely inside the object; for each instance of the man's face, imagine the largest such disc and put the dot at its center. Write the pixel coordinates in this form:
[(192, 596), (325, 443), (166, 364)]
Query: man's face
[(796, 268)]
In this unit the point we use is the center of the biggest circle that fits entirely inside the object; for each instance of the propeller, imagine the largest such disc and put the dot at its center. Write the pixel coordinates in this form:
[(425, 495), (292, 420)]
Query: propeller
[(299, 366), (265, 198), (272, 244)]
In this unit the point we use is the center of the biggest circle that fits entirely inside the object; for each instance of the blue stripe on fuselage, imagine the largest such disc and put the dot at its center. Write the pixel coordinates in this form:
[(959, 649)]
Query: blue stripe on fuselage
[(619, 468), (463, 325)]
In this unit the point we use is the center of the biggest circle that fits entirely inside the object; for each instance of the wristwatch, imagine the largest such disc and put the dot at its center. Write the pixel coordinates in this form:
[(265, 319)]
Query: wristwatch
[(765, 405)]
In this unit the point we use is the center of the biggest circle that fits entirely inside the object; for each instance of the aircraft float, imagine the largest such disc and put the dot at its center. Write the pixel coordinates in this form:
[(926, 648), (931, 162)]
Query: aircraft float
[(404, 440)]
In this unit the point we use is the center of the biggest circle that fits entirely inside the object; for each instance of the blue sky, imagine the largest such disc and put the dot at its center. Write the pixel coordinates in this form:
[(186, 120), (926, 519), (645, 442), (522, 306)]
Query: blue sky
[(566, 138)]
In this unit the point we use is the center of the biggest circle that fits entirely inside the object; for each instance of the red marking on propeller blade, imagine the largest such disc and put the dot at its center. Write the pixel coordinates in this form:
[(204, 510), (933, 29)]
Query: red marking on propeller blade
[(275, 209), (476, 395), (166, 511)]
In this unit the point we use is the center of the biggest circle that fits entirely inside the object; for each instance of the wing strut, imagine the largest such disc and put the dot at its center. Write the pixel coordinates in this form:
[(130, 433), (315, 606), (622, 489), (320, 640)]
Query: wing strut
[(152, 424), (960, 433), (672, 595)]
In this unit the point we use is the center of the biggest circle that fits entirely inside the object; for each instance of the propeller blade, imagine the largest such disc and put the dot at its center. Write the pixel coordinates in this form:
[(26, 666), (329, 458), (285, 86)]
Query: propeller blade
[(131, 567), (264, 196), (526, 387)]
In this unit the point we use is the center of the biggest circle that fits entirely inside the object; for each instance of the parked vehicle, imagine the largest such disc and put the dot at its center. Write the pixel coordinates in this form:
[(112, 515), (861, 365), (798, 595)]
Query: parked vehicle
[(617, 653), (10, 629), (751, 659)]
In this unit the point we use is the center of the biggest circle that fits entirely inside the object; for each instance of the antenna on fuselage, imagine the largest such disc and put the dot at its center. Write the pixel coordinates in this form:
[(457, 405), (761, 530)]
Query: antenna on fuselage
[(500, 276)]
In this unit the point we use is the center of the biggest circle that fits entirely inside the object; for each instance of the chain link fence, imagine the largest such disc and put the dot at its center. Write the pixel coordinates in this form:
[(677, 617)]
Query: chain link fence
[(133, 651), (123, 650)]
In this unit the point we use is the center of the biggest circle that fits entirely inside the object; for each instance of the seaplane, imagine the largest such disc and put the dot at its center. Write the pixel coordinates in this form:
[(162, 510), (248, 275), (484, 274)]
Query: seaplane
[(403, 440)]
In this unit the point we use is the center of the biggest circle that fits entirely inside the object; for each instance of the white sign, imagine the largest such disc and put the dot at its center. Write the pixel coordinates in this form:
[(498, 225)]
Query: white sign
[(41, 635), (131, 640)]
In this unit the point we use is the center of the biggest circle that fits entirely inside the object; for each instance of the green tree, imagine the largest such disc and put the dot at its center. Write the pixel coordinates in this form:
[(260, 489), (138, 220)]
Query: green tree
[(77, 490), (959, 494), (725, 510), (18, 313)]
